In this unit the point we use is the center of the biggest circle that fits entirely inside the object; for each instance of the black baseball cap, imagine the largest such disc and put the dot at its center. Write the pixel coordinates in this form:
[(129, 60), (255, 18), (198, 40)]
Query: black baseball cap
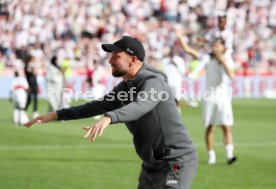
[(130, 45)]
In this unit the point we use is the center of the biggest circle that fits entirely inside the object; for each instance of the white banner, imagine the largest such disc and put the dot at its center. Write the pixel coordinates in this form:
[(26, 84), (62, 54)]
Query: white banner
[(242, 87)]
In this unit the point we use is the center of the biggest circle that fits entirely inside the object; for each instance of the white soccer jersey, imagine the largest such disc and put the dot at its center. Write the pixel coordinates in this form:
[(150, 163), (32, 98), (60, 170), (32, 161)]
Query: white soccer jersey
[(174, 80), (174, 69), (216, 76), (54, 82)]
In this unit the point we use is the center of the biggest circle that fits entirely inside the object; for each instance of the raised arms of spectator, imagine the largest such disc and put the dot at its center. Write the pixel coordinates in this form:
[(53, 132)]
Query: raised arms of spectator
[(186, 47)]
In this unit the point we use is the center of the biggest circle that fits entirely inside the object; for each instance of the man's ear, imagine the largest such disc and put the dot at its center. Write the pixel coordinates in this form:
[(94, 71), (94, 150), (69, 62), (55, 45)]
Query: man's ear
[(132, 60)]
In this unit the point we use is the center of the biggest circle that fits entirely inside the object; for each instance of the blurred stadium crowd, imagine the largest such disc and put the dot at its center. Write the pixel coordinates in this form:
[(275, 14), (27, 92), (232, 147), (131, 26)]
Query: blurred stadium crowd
[(73, 30)]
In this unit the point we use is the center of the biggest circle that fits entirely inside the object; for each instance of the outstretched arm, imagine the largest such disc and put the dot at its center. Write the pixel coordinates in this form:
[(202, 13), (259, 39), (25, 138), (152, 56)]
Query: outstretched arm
[(92, 132), (42, 119), (186, 47), (90, 109)]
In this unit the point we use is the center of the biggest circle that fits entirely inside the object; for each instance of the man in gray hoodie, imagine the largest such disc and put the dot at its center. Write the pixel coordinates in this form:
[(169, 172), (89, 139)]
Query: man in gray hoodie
[(145, 103)]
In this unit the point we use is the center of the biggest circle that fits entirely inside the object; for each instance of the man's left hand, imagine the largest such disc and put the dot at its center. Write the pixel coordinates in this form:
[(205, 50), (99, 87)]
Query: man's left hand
[(97, 129)]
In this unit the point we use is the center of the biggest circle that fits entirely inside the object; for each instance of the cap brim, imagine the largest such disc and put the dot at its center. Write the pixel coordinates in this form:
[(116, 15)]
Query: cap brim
[(111, 48)]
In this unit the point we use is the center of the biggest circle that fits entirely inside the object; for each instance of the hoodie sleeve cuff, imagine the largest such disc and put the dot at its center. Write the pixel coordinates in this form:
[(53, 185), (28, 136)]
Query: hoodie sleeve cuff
[(60, 115), (114, 117)]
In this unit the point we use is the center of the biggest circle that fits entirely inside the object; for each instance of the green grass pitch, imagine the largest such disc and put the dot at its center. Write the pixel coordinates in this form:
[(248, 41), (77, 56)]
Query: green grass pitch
[(56, 156)]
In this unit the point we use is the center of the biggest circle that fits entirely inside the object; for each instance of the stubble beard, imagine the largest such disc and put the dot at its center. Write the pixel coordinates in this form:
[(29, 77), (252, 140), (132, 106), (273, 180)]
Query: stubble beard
[(117, 73)]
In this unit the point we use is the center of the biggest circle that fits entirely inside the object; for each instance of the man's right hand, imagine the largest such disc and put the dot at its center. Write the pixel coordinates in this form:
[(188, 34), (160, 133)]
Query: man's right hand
[(42, 119)]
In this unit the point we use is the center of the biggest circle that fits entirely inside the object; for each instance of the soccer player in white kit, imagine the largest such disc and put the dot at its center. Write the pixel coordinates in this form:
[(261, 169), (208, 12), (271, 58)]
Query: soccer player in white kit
[(19, 95), (217, 108), (174, 69), (223, 32), (54, 82)]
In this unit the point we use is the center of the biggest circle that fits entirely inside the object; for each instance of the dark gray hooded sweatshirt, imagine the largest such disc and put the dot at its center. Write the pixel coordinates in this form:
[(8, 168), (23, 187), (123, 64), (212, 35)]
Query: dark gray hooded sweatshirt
[(150, 114)]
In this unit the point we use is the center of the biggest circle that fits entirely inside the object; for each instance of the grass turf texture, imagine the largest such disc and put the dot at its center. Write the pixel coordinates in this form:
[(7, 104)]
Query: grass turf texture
[(55, 155)]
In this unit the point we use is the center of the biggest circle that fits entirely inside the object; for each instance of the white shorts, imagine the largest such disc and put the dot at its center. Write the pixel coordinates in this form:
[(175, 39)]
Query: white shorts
[(20, 99), (217, 112)]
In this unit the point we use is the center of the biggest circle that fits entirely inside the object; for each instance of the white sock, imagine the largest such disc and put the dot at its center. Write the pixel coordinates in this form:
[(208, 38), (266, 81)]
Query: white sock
[(15, 116), (229, 151), (211, 157), (35, 115), (23, 117)]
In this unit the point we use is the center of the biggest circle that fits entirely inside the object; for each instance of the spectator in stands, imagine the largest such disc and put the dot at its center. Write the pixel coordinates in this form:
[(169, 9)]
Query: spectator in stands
[(50, 26)]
